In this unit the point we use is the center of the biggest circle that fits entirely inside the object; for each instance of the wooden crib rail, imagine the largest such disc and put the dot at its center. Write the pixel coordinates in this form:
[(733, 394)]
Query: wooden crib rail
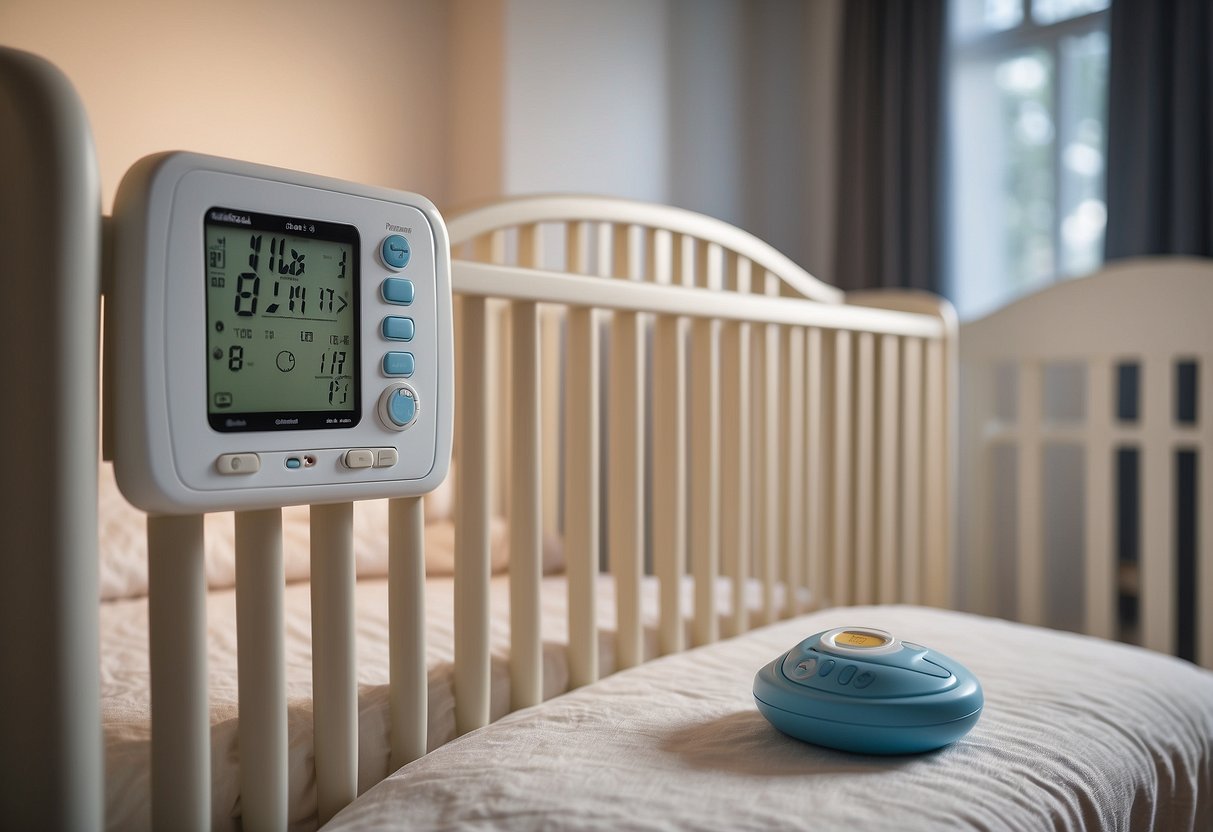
[(1142, 321), (753, 475)]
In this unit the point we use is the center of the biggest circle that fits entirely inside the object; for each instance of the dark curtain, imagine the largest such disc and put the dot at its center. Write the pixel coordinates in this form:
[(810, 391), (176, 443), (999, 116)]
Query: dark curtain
[(1160, 135), (889, 144)]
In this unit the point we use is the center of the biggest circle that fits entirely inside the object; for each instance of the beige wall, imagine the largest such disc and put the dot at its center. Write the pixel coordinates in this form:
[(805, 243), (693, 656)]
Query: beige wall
[(354, 90)]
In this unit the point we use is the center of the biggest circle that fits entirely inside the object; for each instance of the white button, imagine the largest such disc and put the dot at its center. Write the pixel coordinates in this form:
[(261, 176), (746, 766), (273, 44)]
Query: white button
[(238, 464), (386, 458), (359, 458)]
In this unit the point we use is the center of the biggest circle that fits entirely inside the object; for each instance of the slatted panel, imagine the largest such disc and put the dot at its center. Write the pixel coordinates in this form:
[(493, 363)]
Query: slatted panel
[(840, 465), (406, 630), (181, 749), (1157, 506), (472, 565), (1030, 562), (525, 506), (888, 456), (815, 467), (625, 469), (705, 476), (1100, 575), (792, 428), (581, 496), (865, 444), (669, 478), (261, 669), (911, 473), (334, 682)]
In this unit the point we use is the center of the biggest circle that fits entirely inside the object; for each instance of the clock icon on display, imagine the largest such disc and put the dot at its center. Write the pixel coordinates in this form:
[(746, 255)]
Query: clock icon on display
[(286, 361)]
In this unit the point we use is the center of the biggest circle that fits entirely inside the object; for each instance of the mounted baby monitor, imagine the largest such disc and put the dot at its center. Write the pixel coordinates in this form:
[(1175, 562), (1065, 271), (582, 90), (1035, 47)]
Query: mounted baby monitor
[(280, 338), (862, 689)]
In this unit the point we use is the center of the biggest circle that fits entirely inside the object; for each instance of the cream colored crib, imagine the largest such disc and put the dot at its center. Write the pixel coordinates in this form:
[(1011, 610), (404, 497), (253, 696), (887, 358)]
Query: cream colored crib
[(795, 437)]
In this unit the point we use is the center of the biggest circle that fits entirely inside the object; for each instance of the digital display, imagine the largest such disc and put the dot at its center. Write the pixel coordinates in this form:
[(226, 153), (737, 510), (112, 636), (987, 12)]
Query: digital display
[(282, 322), (850, 638)]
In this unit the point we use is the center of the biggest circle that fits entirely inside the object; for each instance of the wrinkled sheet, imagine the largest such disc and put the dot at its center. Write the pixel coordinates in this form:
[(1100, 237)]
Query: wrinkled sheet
[(126, 698), (1077, 733)]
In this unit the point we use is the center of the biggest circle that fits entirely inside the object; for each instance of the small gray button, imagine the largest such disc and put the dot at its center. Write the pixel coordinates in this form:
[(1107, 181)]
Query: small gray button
[(359, 458), (238, 464)]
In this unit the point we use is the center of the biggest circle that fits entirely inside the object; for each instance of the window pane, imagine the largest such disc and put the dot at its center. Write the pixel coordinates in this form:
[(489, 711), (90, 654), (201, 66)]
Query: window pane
[(979, 17), (1083, 83), (1051, 11)]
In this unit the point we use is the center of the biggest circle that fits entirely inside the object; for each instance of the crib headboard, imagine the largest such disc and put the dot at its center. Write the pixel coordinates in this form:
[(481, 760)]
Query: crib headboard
[(758, 419), (1087, 440)]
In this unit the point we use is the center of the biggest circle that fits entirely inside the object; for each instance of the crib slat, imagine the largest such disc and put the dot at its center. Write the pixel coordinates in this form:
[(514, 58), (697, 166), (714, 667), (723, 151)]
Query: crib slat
[(735, 467), (1204, 566), (791, 454), (659, 256), (1100, 556), (526, 544), (525, 507), (841, 462), (261, 669), (334, 683), (1030, 561), (181, 737), (937, 452), (1157, 507), (408, 675), (911, 473), (669, 479), (472, 565), (765, 481), (581, 501), (625, 470), (705, 477), (887, 454), (815, 516), (551, 352), (865, 444)]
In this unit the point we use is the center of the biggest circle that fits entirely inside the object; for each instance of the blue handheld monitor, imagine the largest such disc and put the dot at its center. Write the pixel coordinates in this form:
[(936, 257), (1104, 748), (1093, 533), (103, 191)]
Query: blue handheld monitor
[(862, 689)]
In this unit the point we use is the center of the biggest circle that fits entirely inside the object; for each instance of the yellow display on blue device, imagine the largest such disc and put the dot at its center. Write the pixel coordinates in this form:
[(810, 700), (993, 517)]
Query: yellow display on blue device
[(861, 689)]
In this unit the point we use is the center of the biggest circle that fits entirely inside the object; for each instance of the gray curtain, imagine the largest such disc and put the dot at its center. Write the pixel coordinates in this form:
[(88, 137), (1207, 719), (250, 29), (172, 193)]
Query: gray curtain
[(1160, 128), (889, 144)]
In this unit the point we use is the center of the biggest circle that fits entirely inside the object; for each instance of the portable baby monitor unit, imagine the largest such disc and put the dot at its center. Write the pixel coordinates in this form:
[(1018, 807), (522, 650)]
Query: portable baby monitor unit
[(279, 338), (861, 689)]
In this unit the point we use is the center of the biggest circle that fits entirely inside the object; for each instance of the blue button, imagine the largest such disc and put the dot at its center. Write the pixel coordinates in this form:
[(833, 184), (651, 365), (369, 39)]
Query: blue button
[(398, 290), (402, 407), (398, 364), (398, 329), (826, 667), (293, 462), (847, 674), (395, 251), (864, 679)]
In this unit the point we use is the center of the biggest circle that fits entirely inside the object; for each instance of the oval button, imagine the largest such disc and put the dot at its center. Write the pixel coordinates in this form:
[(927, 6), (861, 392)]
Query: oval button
[(398, 406)]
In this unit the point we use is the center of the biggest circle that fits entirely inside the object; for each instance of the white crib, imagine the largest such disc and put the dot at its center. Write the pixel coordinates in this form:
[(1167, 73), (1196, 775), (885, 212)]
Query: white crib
[(759, 426)]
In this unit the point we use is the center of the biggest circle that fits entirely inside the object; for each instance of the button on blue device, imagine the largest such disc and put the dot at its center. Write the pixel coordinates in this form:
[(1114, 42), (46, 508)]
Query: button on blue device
[(398, 290), (402, 407), (904, 699), (398, 329), (395, 251), (398, 364)]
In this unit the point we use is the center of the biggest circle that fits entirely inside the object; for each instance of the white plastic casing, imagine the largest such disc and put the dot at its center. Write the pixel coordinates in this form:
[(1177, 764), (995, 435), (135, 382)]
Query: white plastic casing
[(165, 451)]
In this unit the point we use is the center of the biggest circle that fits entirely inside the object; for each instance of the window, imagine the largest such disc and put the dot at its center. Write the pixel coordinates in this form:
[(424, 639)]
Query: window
[(1028, 103)]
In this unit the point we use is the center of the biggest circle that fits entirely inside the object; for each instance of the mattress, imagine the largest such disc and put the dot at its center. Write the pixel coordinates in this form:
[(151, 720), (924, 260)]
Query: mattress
[(1077, 733), (125, 684)]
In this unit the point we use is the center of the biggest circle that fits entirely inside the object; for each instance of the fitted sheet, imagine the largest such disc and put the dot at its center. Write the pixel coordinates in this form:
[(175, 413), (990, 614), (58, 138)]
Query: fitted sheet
[(125, 684), (1077, 733)]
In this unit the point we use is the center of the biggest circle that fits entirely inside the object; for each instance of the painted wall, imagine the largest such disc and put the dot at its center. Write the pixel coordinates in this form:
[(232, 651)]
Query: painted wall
[(355, 91)]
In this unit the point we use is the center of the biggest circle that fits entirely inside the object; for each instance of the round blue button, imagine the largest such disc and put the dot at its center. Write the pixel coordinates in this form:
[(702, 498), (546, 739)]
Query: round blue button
[(402, 407), (395, 251)]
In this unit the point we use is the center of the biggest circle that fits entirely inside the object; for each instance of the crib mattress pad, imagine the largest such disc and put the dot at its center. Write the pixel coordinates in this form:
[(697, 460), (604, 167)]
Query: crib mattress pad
[(1077, 733)]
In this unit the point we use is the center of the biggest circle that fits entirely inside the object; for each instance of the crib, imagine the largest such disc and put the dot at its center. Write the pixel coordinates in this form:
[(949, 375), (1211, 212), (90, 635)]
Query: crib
[(655, 390)]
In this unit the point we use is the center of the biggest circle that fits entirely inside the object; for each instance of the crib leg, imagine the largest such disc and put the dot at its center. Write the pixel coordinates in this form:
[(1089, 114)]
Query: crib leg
[(181, 752), (406, 629)]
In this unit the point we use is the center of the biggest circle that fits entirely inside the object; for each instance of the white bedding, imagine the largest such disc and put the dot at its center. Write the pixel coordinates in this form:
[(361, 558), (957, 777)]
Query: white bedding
[(1077, 733), (125, 685)]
